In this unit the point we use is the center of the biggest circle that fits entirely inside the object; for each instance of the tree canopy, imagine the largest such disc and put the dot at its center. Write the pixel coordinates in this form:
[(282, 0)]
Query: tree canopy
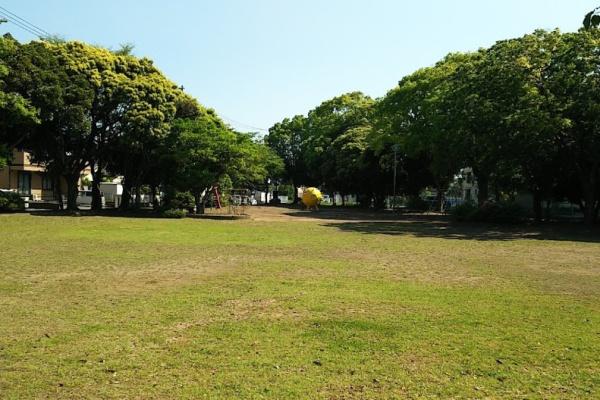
[(522, 115), (77, 106)]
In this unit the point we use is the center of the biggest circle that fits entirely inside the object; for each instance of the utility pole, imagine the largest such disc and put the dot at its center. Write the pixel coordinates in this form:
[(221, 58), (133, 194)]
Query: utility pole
[(395, 175), (267, 186)]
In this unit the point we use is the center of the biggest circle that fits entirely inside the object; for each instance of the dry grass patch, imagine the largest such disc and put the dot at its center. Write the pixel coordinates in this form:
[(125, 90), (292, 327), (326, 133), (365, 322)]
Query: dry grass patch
[(312, 306)]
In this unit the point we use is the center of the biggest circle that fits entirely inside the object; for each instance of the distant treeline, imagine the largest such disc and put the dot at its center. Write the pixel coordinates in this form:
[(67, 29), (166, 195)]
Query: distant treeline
[(524, 114), (75, 106)]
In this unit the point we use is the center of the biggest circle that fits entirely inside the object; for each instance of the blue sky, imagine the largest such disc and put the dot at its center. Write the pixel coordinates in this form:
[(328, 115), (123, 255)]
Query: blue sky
[(258, 61)]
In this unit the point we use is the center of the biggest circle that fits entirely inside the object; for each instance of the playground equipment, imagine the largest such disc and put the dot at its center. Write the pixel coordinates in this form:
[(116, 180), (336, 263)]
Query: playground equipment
[(217, 196), (311, 198), (239, 200)]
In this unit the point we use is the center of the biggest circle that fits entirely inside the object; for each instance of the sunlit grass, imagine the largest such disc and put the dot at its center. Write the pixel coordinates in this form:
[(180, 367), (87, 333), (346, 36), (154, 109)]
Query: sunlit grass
[(99, 307)]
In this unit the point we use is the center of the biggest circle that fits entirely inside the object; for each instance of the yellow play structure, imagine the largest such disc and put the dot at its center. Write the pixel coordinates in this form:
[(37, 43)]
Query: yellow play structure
[(312, 198)]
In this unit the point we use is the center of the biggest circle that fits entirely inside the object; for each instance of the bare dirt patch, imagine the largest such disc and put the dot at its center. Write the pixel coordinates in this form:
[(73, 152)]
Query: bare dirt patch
[(331, 214)]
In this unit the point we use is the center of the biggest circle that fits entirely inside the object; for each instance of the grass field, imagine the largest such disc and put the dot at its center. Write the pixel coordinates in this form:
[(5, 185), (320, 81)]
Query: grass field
[(289, 306)]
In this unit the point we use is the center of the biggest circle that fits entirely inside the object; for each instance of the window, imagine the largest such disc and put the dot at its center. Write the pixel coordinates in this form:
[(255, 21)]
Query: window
[(47, 182), (24, 183)]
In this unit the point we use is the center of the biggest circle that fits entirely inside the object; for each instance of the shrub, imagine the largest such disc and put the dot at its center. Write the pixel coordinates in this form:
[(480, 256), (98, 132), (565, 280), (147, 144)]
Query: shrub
[(174, 214), (416, 203), (10, 202), (182, 201), (501, 212), (464, 212), (225, 187)]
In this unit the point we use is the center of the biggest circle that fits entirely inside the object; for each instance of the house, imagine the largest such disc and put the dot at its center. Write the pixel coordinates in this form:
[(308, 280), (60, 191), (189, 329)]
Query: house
[(463, 188), (30, 180), (26, 178), (112, 192)]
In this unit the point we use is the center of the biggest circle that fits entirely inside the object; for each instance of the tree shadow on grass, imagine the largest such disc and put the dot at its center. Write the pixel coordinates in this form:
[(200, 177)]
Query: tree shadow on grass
[(394, 224), (473, 231), (357, 214), (144, 213), (442, 226)]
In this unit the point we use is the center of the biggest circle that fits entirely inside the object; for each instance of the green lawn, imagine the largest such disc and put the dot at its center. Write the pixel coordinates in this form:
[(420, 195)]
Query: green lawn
[(105, 307)]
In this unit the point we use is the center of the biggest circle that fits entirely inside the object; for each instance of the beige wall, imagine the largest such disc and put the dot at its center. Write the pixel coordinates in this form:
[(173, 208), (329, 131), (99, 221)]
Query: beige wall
[(10, 181), (4, 183), (20, 157), (22, 160), (36, 186), (13, 180), (9, 176)]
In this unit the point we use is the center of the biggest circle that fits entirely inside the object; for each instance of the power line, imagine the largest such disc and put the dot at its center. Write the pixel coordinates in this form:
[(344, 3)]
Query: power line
[(41, 33), (21, 25), (243, 124), (23, 20)]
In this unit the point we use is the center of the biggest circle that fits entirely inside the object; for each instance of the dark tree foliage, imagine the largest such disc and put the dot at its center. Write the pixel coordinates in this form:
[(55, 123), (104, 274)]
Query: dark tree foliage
[(522, 114), (76, 106), (592, 19)]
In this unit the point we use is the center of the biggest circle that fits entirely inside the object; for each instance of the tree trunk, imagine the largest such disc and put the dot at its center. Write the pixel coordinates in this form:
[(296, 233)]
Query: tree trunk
[(266, 194), (537, 205), (296, 198), (483, 181), (138, 195), (198, 201), (343, 196), (126, 197), (496, 193), (72, 191), (155, 202), (379, 202), (589, 186), (96, 180), (589, 206), (58, 192), (439, 199)]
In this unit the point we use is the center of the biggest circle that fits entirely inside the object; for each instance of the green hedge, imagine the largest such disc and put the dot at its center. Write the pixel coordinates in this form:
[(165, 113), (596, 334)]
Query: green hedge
[(174, 214), (416, 203), (181, 201), (10, 202)]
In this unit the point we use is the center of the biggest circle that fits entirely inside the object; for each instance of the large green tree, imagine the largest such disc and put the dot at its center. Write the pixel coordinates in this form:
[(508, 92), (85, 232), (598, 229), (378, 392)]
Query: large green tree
[(515, 73), (96, 108), (254, 162), (417, 119), (42, 72), (17, 115), (152, 107), (110, 78), (326, 124), (288, 139), (203, 151), (574, 82)]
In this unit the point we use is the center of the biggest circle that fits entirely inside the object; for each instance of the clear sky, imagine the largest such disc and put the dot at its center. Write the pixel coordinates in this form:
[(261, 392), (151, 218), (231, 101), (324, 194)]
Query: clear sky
[(258, 61)]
